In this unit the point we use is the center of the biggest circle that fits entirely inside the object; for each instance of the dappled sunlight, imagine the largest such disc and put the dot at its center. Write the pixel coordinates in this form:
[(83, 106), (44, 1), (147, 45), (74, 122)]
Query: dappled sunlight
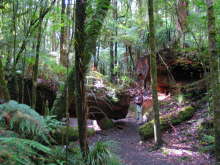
[(162, 96), (93, 124), (180, 152), (90, 124)]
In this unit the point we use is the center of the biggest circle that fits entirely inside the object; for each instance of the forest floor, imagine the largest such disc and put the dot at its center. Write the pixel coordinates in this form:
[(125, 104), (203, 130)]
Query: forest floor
[(181, 144)]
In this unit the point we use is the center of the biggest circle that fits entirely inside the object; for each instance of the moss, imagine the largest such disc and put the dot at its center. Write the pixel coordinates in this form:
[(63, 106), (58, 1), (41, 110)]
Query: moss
[(105, 123), (132, 107), (147, 130), (186, 113), (72, 132)]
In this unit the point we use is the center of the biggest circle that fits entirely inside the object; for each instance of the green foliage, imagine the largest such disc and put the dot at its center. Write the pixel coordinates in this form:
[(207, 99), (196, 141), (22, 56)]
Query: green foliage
[(105, 123), (21, 141), (21, 151), (61, 132), (24, 120), (52, 123), (206, 136), (100, 154), (49, 69)]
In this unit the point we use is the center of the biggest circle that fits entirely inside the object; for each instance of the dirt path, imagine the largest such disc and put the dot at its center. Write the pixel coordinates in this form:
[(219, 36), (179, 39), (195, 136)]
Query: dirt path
[(130, 149), (133, 151)]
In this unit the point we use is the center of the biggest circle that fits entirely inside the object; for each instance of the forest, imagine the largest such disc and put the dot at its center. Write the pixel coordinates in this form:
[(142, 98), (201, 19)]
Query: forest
[(109, 82)]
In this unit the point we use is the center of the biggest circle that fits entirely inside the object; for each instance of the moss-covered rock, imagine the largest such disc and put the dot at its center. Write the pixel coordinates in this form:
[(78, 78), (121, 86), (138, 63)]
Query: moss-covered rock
[(105, 123), (147, 130), (62, 132)]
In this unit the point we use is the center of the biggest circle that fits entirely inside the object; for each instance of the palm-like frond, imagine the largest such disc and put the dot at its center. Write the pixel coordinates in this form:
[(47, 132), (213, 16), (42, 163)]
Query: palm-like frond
[(23, 119), (21, 151)]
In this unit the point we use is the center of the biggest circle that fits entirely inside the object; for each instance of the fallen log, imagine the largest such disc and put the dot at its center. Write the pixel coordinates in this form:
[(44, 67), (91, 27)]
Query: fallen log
[(102, 101), (167, 121)]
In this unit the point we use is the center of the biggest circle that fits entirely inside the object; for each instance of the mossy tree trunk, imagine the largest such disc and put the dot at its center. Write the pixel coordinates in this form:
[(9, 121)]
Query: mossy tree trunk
[(4, 94), (63, 35), (115, 16), (36, 65), (95, 57), (215, 84), (92, 31), (112, 61), (153, 66), (14, 30), (80, 100)]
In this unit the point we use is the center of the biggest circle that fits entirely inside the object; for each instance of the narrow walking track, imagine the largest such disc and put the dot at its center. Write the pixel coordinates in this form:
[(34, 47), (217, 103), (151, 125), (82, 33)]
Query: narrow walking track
[(132, 151), (129, 145)]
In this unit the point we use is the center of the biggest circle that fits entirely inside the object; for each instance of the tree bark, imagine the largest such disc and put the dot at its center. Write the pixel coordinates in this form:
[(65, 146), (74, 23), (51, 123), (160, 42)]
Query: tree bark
[(115, 15), (35, 68), (4, 93), (80, 100), (63, 36), (112, 61), (92, 32), (215, 84), (153, 66)]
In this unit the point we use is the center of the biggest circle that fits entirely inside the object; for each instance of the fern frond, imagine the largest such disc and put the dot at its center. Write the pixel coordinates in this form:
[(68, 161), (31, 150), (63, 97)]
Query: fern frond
[(24, 120), (21, 151)]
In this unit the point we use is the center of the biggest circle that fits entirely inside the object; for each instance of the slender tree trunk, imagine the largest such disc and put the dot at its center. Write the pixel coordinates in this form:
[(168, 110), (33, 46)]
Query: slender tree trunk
[(96, 63), (215, 84), (4, 94), (63, 36), (35, 68), (80, 100), (126, 59), (94, 54), (112, 61), (131, 57), (153, 66), (115, 15), (15, 87)]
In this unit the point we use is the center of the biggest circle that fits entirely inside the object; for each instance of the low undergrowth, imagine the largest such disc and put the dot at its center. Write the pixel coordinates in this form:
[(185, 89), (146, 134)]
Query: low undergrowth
[(29, 138)]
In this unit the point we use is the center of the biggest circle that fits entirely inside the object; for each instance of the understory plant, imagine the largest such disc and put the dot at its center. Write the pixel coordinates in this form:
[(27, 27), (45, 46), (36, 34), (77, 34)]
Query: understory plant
[(25, 140)]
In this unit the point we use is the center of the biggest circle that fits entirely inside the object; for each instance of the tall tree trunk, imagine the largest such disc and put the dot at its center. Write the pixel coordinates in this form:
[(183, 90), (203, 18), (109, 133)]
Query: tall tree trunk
[(112, 61), (4, 94), (215, 84), (94, 54), (92, 33), (182, 13), (15, 87), (96, 62), (115, 15), (153, 66), (80, 100), (63, 36), (131, 57), (35, 68)]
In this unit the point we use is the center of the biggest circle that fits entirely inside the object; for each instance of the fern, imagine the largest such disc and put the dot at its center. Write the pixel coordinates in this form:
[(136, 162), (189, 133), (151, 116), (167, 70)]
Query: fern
[(102, 154), (52, 123), (24, 120), (21, 151)]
